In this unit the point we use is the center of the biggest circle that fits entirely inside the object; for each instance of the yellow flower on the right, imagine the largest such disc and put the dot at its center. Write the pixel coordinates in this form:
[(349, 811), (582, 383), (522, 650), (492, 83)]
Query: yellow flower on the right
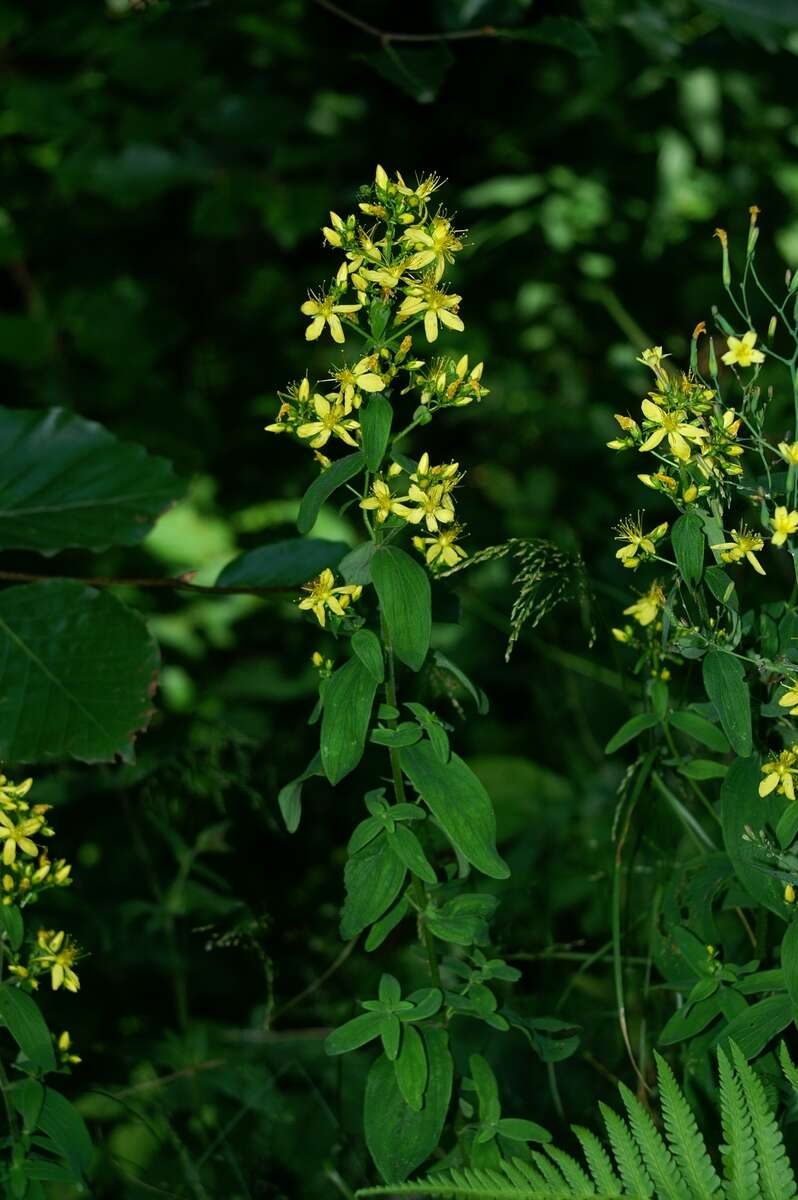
[(741, 351), (784, 523)]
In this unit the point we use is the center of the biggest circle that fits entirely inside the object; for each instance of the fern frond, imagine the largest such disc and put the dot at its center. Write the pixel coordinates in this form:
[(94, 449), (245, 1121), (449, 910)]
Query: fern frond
[(777, 1181), (788, 1067), (571, 1172), (666, 1175), (598, 1161), (684, 1139), (554, 1180), (634, 1175), (738, 1153), (468, 1183)]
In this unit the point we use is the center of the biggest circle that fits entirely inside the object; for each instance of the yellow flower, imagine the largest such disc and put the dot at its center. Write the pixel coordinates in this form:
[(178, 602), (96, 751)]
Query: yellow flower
[(790, 698), (785, 525), (436, 305), (659, 482), (778, 775), (438, 244), (645, 609), (789, 894), (434, 506), (63, 1045), (741, 350), (57, 952), (638, 543), (331, 420), (11, 792), (384, 503), (744, 543), (789, 452), (653, 358), (673, 426), (444, 475), (323, 594), (18, 835), (361, 376), (443, 547), (324, 311)]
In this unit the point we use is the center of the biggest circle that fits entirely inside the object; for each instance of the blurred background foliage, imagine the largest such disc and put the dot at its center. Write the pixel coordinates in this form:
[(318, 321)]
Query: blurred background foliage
[(166, 169)]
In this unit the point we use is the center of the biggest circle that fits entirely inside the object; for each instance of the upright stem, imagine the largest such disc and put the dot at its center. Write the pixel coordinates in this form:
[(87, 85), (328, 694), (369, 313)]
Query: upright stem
[(418, 886)]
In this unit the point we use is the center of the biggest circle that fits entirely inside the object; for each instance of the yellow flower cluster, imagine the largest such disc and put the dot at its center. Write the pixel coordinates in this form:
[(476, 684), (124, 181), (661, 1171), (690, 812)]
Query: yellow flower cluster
[(27, 868), (779, 773), (54, 954), (428, 501)]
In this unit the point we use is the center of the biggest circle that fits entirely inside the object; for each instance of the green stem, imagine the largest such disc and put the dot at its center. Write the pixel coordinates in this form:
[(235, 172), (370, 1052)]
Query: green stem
[(418, 887)]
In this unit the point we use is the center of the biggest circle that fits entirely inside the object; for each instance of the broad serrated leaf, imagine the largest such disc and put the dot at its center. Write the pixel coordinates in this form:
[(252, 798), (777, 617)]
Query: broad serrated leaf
[(282, 564), (68, 482), (77, 674)]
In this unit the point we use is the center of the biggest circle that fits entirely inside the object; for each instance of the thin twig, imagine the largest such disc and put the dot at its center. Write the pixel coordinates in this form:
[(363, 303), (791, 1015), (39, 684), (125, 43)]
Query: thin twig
[(181, 584), (456, 35), (317, 983)]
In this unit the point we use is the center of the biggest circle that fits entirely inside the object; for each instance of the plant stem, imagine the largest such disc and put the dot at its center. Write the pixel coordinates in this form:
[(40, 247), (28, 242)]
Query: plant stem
[(419, 889)]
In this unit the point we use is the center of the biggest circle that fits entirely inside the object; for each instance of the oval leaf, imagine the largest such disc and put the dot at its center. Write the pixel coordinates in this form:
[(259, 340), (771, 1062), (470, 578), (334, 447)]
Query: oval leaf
[(742, 806), (322, 488), (405, 602), (65, 482), (77, 673), (27, 1026), (66, 1129), (348, 701), (411, 1068), (724, 681), (688, 541), (700, 730), (459, 803), (789, 964), (366, 646), (373, 878), (282, 564), (375, 422), (631, 729), (400, 1138), (354, 1033)]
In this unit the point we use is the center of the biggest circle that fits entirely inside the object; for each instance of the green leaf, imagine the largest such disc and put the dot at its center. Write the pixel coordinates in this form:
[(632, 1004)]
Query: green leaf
[(282, 564), (687, 539), (66, 1129), (405, 734), (518, 1130), (354, 1033), (689, 1020), (703, 768), (366, 646), (700, 730), (66, 482), (476, 693), (562, 32), (77, 673), (758, 1025), (722, 587), (459, 803), (289, 797), (724, 681), (399, 1137), (373, 878), (407, 848), (27, 1026), (742, 807), (404, 593), (28, 1097), (411, 1068), (789, 964), (322, 488), (348, 701), (630, 730), (787, 826), (356, 565), (12, 925), (375, 422), (381, 929)]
